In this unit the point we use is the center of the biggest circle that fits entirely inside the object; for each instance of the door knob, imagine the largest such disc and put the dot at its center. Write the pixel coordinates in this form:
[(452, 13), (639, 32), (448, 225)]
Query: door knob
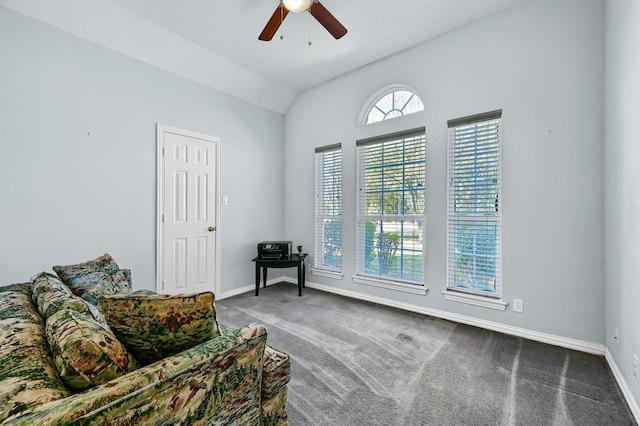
[(212, 228)]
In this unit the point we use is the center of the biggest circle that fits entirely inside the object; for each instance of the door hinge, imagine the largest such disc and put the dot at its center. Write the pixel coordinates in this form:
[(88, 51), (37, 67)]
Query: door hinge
[(163, 151), (162, 217)]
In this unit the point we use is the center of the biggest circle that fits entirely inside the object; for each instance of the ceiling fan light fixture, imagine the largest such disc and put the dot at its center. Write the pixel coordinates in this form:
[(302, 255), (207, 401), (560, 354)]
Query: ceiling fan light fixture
[(297, 6), (314, 7)]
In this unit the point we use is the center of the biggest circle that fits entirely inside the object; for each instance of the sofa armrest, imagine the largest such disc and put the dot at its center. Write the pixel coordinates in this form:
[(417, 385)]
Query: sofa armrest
[(276, 371), (219, 379)]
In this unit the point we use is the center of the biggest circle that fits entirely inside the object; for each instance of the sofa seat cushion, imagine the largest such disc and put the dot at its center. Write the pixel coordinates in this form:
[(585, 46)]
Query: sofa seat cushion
[(84, 352), (95, 277), (154, 326), (28, 377)]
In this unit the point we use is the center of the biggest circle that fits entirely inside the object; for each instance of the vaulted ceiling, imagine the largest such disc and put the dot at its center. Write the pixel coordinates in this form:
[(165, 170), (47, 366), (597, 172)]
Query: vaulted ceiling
[(215, 42)]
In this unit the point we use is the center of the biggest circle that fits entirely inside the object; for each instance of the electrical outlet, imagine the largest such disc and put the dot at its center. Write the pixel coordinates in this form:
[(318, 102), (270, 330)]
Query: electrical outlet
[(518, 305), (635, 366), (616, 336)]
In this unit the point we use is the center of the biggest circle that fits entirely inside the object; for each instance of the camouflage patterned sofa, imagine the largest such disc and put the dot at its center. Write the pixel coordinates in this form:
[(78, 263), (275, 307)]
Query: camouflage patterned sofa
[(133, 359)]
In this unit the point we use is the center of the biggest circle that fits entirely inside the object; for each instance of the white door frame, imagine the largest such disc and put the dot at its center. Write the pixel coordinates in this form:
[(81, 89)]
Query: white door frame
[(161, 130)]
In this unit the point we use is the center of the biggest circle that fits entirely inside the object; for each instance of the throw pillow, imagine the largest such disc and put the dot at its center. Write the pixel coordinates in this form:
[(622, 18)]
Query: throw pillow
[(84, 353), (156, 326), (104, 263), (50, 295), (95, 277)]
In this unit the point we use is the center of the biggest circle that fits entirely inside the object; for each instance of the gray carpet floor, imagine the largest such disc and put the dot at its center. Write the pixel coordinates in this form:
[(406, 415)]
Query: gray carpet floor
[(358, 363)]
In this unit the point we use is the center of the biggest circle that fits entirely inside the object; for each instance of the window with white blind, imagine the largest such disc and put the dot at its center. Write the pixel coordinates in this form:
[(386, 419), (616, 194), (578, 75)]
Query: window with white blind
[(474, 242), (390, 211), (328, 222)]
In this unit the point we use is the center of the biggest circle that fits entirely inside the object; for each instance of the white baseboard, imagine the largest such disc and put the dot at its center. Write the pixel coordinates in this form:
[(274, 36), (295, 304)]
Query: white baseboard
[(564, 342), (624, 387), (252, 287), (236, 291)]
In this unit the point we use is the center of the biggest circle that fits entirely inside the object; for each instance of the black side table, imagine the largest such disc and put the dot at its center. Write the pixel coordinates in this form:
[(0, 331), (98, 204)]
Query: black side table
[(295, 260)]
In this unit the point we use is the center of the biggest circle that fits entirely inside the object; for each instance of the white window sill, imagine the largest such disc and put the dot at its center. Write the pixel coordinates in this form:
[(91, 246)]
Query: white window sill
[(393, 285), (326, 273), (474, 299)]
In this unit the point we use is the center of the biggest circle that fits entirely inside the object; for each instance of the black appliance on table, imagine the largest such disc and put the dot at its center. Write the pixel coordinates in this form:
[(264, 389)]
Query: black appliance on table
[(277, 254), (274, 250)]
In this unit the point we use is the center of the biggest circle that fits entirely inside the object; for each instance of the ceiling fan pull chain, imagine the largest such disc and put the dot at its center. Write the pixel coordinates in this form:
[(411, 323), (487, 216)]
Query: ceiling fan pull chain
[(281, 20), (309, 21)]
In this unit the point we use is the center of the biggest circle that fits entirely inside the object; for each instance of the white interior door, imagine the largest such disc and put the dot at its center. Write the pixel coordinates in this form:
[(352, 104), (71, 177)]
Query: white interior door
[(187, 252)]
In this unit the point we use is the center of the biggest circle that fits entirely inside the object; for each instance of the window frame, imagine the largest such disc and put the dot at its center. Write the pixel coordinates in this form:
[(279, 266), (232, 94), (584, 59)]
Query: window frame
[(376, 97), (483, 218), (322, 267), (362, 276)]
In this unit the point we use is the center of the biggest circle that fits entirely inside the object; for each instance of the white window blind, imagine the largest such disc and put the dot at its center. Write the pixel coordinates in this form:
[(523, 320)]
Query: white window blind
[(328, 212), (390, 207), (474, 243)]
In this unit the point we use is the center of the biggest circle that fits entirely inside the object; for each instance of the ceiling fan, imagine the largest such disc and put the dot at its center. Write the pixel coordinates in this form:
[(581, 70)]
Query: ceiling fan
[(322, 15)]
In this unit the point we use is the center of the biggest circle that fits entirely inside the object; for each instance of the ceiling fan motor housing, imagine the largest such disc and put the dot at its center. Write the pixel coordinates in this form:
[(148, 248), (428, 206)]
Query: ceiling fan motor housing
[(314, 7), (297, 6)]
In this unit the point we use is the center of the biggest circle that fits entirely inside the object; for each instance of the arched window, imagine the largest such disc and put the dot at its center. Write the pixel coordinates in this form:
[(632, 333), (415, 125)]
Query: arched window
[(390, 102)]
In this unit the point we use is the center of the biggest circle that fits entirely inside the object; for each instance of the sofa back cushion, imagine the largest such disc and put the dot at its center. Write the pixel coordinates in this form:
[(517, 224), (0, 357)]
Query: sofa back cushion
[(50, 295), (95, 277), (28, 377), (85, 353), (156, 326)]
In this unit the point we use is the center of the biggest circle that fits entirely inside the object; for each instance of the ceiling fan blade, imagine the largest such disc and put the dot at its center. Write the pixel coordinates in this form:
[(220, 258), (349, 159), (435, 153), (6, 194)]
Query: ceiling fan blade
[(335, 28), (274, 23)]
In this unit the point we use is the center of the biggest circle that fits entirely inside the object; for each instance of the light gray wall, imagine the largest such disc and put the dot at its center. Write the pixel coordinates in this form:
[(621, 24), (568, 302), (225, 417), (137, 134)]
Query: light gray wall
[(78, 156), (622, 185), (542, 64)]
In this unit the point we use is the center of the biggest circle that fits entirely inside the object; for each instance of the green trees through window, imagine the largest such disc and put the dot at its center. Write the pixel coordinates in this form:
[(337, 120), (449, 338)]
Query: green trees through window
[(390, 207), (332, 243), (328, 209), (474, 212)]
